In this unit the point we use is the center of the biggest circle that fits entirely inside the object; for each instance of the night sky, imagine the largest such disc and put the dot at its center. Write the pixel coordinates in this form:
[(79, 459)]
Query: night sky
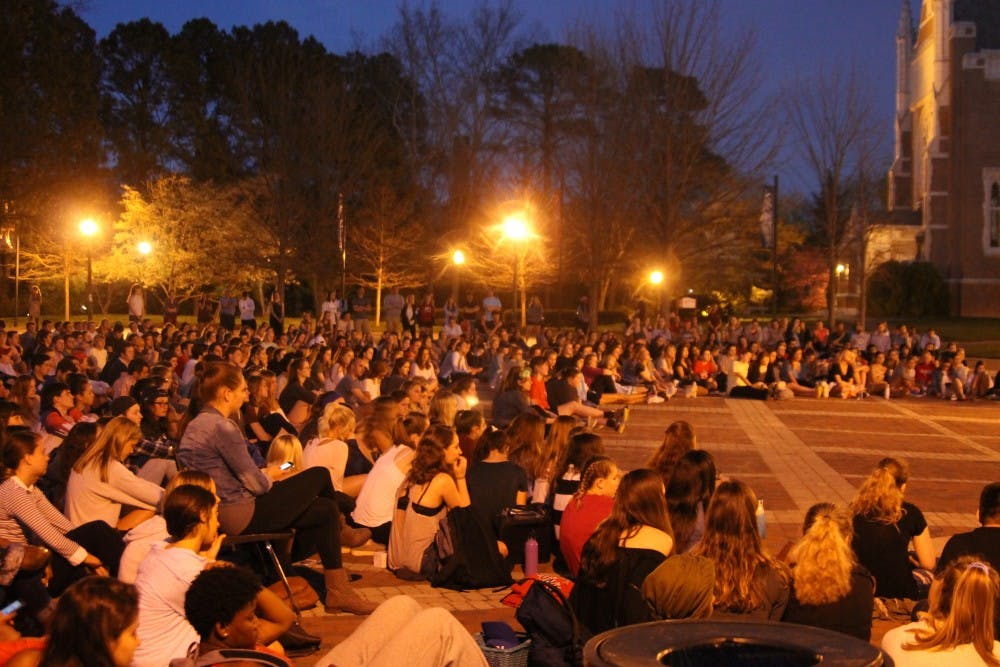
[(795, 37)]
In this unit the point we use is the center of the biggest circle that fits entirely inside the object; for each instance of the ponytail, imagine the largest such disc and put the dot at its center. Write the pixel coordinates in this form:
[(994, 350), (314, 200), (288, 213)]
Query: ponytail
[(880, 497), (824, 558)]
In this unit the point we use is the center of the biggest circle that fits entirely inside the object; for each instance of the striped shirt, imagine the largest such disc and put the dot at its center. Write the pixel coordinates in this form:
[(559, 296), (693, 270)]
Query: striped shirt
[(24, 508)]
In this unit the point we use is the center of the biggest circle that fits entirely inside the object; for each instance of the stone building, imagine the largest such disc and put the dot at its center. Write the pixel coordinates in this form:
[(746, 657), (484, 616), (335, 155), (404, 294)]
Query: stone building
[(944, 183)]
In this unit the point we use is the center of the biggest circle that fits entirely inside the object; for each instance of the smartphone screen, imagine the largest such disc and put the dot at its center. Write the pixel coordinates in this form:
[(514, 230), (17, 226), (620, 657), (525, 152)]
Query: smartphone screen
[(11, 608), (286, 465)]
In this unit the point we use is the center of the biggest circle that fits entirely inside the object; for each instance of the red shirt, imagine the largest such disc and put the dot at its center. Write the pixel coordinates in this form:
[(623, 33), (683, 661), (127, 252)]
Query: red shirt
[(924, 373), (538, 394), (578, 524), (704, 369)]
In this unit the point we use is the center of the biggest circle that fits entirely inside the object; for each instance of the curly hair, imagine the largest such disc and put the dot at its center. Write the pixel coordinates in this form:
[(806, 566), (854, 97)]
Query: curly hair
[(639, 502), (823, 556), (217, 595), (880, 497), (429, 461), (678, 439), (731, 540)]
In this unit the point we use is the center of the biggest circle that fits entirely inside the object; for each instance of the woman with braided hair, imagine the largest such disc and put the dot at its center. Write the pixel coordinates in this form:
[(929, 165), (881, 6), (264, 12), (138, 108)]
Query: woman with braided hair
[(589, 506)]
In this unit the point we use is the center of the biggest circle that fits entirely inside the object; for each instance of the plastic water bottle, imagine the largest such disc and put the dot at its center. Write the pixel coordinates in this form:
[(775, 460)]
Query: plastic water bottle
[(531, 556), (761, 519)]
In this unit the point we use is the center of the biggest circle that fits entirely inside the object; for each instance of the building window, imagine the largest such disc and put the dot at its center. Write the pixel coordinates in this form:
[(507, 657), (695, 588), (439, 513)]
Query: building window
[(994, 214), (991, 211)]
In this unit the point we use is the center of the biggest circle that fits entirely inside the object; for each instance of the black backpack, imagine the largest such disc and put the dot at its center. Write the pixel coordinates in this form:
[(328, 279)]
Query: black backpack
[(464, 554), (557, 637)]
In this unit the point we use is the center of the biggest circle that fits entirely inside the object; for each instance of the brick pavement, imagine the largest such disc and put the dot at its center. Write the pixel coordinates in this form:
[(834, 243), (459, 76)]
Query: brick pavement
[(793, 453)]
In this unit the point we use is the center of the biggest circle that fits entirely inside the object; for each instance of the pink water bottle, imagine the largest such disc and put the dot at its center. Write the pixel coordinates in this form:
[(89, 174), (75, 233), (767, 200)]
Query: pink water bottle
[(531, 556)]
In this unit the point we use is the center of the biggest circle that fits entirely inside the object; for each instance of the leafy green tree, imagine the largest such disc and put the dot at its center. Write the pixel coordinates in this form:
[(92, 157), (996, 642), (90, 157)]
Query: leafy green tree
[(199, 235)]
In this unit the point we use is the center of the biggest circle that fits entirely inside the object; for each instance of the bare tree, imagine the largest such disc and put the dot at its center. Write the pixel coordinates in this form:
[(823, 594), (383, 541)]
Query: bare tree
[(388, 253), (832, 122)]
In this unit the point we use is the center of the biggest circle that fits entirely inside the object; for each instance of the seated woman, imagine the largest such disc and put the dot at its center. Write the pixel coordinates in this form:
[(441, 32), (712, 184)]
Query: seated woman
[(374, 507), (436, 483), (269, 500), (330, 451), (525, 441), (590, 505), (959, 629), (678, 439), (93, 546), (295, 399), (842, 377), (221, 605), (829, 589), (748, 582), (94, 623), (140, 539), (624, 549), (689, 491), (884, 526), (100, 484), (263, 418), (583, 446), (514, 397), (494, 482)]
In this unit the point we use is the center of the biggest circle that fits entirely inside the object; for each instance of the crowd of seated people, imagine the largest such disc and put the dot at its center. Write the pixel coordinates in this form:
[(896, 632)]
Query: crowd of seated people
[(110, 433)]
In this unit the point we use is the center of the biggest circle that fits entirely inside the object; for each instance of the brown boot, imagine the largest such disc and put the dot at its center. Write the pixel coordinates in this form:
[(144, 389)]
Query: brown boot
[(341, 597), (353, 537)]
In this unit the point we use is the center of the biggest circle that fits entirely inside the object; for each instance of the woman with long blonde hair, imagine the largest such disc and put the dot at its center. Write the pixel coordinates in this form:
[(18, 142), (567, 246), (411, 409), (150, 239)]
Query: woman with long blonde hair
[(959, 629), (748, 582), (443, 408), (100, 484), (884, 526), (829, 589)]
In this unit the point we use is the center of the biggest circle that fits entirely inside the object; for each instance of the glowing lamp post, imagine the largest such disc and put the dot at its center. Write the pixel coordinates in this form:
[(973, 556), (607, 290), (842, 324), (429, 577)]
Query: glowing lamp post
[(144, 247), (516, 229), (656, 279), (89, 229), (457, 260)]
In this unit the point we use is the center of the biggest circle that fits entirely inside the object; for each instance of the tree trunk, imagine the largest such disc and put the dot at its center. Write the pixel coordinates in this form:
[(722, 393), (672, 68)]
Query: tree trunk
[(66, 287), (378, 295)]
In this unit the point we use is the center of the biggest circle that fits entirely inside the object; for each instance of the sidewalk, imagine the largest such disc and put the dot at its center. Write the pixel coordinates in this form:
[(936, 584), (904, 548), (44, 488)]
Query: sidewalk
[(793, 453)]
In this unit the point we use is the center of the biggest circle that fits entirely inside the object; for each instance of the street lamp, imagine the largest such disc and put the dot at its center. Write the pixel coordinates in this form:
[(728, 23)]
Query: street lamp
[(656, 279), (457, 260), (144, 247), (89, 229), (516, 228), (841, 270)]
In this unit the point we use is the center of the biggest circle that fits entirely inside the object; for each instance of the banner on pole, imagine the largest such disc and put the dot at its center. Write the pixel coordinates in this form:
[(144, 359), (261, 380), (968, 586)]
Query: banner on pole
[(767, 221)]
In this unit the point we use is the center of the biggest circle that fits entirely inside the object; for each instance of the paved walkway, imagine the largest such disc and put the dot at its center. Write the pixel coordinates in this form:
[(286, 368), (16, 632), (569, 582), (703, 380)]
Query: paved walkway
[(793, 453)]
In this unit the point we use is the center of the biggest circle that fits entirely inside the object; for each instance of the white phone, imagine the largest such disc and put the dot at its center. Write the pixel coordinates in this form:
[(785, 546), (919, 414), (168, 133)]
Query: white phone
[(11, 608), (287, 465)]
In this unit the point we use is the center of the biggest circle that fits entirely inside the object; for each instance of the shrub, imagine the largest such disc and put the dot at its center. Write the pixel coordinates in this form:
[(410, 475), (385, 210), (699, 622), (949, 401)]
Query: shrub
[(907, 289)]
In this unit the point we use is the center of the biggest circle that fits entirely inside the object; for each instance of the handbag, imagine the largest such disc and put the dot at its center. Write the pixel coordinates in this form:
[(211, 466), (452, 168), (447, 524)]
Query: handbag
[(304, 594), (516, 524)]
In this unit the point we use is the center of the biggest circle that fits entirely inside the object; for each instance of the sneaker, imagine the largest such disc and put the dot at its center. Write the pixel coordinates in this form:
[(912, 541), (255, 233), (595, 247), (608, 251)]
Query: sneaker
[(886, 393), (653, 398), (819, 391)]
